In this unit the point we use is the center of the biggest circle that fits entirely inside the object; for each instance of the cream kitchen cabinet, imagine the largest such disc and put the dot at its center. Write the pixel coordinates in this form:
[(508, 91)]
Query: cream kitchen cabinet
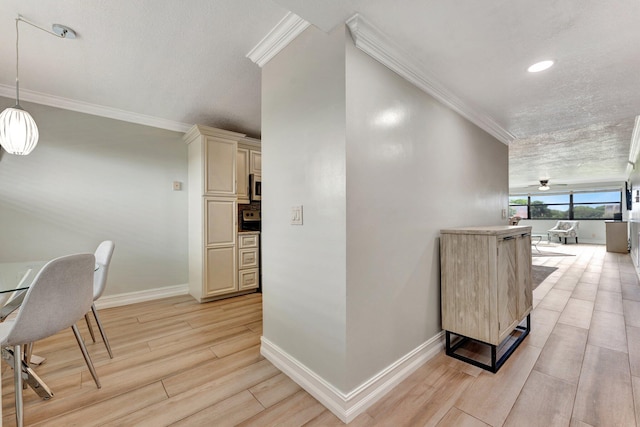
[(248, 260), (213, 212), (248, 161), (255, 162), (485, 288)]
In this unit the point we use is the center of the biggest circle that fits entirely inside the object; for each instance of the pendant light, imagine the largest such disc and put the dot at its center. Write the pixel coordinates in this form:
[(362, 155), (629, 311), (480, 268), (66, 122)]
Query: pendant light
[(18, 130)]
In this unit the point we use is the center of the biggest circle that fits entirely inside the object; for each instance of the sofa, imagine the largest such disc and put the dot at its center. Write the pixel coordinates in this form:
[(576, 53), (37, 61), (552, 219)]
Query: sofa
[(564, 229)]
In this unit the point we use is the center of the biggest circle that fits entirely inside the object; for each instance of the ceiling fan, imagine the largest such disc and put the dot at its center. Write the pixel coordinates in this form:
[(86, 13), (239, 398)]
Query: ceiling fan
[(544, 185)]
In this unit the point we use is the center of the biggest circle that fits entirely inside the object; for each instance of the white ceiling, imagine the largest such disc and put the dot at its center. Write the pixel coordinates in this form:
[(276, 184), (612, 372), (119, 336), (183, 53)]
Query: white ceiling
[(184, 62)]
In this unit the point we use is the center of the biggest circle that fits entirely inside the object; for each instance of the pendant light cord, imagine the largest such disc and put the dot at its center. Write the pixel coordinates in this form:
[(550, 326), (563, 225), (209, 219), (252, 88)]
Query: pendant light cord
[(65, 33), (17, 59)]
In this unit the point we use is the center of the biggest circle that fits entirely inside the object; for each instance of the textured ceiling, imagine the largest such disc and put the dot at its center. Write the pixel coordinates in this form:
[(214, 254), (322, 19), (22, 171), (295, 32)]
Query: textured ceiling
[(185, 61)]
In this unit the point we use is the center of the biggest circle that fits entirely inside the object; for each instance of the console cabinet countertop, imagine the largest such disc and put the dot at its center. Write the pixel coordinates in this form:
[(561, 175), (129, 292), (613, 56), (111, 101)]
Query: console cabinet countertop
[(485, 280)]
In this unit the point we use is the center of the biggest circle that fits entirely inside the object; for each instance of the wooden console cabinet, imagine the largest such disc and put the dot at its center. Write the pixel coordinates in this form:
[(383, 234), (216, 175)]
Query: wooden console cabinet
[(617, 237), (485, 284)]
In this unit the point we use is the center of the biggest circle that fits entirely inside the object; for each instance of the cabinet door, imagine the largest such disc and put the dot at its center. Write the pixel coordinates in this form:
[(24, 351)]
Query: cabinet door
[(256, 162), (220, 222), (220, 166), (507, 286), (221, 249), (220, 271), (523, 260), (242, 175)]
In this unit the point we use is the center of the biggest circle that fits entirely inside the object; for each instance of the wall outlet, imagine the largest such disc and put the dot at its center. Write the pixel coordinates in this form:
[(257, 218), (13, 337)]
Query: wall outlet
[(296, 215), (504, 214)]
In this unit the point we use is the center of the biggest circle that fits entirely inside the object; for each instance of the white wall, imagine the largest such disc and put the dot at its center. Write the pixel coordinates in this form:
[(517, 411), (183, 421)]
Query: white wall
[(303, 163), (357, 286), (413, 168), (91, 179)]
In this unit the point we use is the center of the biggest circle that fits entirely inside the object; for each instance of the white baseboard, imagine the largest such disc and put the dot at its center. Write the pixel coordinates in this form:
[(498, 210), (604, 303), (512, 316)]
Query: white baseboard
[(348, 406), (118, 300)]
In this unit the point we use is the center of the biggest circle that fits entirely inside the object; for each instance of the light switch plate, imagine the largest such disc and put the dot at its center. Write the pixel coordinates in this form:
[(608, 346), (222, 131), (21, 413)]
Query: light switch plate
[(296, 215), (177, 186)]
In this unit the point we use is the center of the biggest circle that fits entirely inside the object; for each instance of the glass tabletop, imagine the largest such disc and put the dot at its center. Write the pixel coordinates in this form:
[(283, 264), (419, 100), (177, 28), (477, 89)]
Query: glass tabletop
[(18, 275)]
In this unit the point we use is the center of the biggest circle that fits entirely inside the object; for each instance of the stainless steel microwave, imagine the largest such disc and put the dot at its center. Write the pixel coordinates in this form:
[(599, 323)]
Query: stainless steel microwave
[(255, 183)]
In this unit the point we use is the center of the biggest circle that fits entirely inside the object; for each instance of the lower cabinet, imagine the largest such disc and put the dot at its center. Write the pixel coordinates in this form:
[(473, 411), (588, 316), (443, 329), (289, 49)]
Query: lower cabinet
[(486, 288), (248, 260)]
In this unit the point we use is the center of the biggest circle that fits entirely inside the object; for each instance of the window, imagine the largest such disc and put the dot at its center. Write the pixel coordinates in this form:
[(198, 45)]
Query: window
[(583, 205), (599, 205), (554, 206), (519, 205)]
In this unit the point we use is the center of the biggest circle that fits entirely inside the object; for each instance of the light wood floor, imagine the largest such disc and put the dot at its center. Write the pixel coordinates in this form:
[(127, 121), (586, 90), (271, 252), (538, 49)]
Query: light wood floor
[(187, 364)]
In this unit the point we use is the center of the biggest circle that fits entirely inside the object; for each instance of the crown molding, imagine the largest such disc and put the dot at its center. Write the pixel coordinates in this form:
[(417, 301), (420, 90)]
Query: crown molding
[(634, 148), (277, 39), (379, 46), (96, 110)]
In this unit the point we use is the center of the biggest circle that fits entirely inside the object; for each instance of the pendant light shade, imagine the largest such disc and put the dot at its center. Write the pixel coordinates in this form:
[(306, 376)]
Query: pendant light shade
[(18, 131)]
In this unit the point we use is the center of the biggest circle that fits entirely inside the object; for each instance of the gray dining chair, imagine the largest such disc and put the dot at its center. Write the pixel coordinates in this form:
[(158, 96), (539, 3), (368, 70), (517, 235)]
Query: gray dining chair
[(59, 296), (103, 260)]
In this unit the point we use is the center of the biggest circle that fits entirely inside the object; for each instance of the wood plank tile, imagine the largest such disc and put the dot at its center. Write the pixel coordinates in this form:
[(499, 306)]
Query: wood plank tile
[(567, 282), (209, 371), (491, 396), (426, 404), (609, 301), (610, 283), (555, 300), (635, 381), (196, 399), (585, 291), (604, 394), (631, 292), (273, 390), (632, 312), (590, 277), (456, 418), (294, 411), (236, 344), (542, 323), (226, 413), (563, 353), (544, 401), (107, 410), (577, 313), (608, 330), (633, 341), (327, 419)]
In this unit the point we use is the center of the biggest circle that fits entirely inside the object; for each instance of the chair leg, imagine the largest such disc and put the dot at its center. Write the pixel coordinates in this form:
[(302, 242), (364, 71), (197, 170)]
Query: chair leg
[(101, 329), (87, 359), (17, 376), (88, 320)]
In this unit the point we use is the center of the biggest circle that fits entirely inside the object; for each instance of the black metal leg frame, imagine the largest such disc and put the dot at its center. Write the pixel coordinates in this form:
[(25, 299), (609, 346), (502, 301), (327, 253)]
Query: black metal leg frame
[(495, 363)]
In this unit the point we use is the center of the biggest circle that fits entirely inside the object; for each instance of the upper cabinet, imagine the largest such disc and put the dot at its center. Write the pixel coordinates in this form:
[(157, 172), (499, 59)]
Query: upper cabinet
[(220, 166), (212, 161), (256, 162), (248, 161)]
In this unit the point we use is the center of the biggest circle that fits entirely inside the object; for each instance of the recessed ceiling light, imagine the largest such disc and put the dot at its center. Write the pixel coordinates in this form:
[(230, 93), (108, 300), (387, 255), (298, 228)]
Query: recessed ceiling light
[(540, 66)]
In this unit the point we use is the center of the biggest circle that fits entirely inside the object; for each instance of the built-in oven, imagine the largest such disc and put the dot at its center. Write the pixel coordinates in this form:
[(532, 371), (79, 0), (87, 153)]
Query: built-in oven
[(250, 220), (255, 183)]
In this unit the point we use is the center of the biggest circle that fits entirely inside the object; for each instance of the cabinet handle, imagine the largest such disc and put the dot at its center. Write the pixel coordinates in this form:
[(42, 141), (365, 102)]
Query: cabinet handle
[(526, 234), (509, 238)]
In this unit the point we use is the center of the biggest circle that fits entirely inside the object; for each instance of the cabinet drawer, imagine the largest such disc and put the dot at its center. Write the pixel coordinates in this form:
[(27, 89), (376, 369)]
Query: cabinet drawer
[(247, 241), (248, 279), (247, 258)]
